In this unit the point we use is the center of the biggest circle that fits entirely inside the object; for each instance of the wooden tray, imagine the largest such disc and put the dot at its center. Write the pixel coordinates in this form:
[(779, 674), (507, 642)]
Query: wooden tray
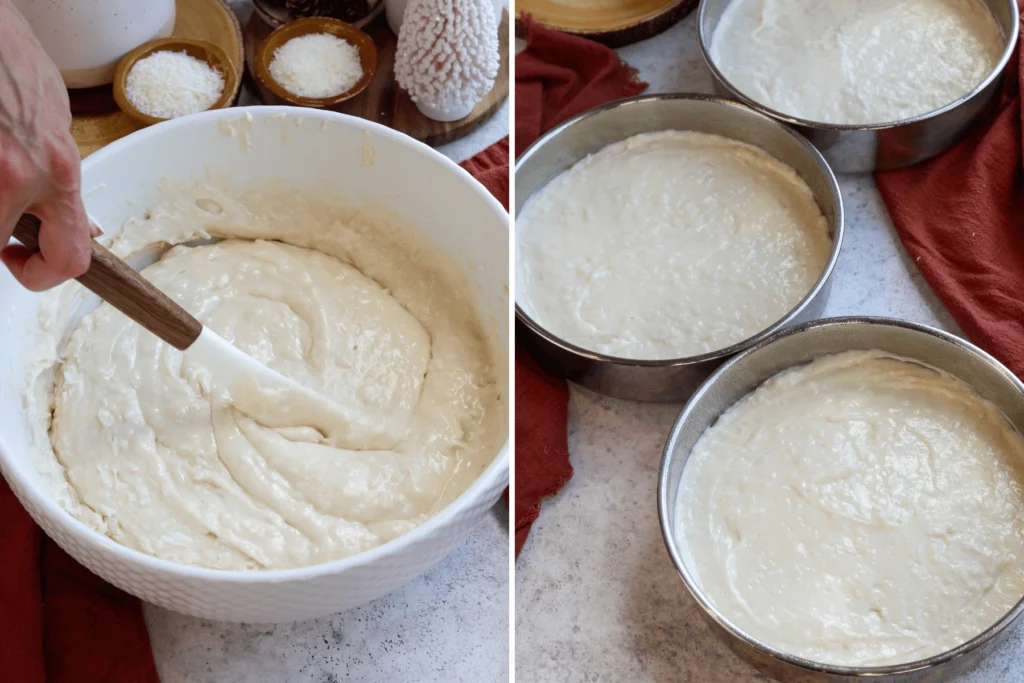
[(96, 120), (612, 22), (383, 101)]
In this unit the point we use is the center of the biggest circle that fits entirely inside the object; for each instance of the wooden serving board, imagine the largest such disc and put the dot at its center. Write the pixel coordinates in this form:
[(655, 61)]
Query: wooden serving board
[(96, 120), (612, 22), (384, 101)]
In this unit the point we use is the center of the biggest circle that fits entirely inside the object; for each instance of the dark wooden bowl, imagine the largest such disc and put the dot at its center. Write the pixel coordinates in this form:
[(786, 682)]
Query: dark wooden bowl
[(303, 27)]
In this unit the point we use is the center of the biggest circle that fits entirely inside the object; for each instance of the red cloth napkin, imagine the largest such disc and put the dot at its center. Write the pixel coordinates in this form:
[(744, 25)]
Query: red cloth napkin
[(557, 77), (542, 448), (60, 623), (490, 167), (961, 218)]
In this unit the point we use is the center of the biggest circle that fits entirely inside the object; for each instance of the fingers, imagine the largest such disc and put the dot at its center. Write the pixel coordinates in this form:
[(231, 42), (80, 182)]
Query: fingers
[(44, 178), (31, 268), (16, 258), (64, 245)]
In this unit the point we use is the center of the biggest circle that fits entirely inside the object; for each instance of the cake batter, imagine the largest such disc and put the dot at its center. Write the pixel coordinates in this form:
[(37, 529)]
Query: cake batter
[(856, 61), (860, 510), (354, 306), (667, 245)]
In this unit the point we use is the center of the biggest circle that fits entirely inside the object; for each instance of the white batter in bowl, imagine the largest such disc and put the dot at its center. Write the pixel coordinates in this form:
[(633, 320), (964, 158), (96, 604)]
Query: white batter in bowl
[(353, 305), (860, 510), (856, 62), (667, 245), (367, 170)]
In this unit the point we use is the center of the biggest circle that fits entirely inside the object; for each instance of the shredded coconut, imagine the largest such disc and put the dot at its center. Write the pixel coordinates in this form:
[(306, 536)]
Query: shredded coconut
[(316, 65), (168, 84)]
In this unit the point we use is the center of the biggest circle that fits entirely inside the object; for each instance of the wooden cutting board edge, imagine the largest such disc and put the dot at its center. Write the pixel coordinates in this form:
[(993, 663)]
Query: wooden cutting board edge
[(627, 35), (384, 101)]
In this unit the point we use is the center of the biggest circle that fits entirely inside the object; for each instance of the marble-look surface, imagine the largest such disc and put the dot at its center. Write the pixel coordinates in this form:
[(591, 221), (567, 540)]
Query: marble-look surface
[(449, 625), (596, 595)]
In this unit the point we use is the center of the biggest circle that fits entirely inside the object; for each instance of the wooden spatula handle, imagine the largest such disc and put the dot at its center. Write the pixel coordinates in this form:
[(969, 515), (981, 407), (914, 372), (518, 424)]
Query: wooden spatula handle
[(119, 284)]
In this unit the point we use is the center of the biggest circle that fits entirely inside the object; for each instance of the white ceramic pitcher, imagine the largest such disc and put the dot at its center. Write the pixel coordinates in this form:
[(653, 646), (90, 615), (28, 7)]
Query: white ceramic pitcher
[(86, 38)]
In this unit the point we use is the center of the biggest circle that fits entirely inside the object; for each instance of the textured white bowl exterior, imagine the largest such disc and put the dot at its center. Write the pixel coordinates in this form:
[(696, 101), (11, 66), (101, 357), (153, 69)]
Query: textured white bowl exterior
[(87, 38), (357, 160)]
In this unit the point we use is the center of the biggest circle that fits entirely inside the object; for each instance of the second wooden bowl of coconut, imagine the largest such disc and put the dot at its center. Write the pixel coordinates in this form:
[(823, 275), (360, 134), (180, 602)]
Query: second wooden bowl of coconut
[(316, 62)]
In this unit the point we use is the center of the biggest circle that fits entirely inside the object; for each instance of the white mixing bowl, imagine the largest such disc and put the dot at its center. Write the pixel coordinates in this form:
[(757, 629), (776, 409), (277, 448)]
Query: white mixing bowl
[(330, 150)]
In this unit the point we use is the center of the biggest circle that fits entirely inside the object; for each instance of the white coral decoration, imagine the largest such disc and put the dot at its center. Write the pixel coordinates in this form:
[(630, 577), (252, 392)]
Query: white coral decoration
[(447, 52)]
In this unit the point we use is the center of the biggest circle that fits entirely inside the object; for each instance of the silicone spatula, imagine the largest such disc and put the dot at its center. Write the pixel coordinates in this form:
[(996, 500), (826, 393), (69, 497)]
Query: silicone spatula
[(121, 286)]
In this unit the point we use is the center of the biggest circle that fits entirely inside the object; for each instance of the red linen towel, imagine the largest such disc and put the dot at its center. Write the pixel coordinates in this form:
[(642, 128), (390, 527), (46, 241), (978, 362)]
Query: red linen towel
[(60, 623), (490, 167), (557, 77), (961, 218)]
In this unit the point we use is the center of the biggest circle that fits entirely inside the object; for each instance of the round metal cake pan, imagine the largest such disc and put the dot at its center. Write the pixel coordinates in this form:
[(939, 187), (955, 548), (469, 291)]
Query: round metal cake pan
[(797, 346), (883, 146), (666, 380)]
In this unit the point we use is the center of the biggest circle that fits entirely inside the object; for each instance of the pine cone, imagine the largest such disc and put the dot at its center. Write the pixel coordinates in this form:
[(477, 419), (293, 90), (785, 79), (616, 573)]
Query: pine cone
[(303, 8), (346, 10)]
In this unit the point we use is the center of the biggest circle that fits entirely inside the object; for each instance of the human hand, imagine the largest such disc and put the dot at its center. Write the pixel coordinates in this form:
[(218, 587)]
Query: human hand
[(39, 163)]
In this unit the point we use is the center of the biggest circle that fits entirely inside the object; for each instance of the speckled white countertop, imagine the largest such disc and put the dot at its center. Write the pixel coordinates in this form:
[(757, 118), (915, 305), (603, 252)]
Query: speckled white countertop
[(597, 597), (449, 625)]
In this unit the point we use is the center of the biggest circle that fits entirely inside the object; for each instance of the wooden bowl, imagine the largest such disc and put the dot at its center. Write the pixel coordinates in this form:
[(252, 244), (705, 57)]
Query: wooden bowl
[(203, 51), (303, 27)]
